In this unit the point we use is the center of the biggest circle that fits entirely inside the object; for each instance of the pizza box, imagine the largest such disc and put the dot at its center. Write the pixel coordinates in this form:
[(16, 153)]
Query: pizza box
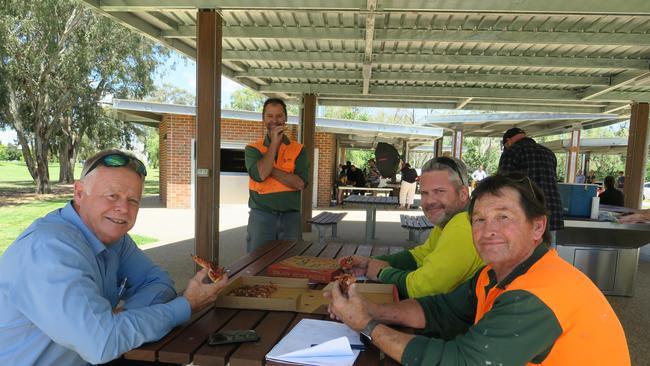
[(284, 299), (294, 294), (320, 270)]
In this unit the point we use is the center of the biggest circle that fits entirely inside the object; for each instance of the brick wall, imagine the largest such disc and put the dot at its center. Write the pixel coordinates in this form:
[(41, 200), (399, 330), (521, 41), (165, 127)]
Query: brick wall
[(175, 156)]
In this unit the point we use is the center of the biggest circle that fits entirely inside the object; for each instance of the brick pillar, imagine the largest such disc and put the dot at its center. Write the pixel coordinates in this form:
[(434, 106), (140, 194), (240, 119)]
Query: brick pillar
[(326, 145), (176, 133)]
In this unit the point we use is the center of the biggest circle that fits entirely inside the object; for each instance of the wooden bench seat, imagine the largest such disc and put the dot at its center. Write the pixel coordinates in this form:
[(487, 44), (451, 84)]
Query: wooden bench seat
[(416, 226), (325, 219)]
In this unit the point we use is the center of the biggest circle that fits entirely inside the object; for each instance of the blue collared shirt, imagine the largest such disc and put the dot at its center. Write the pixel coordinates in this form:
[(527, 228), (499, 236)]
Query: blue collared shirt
[(58, 286)]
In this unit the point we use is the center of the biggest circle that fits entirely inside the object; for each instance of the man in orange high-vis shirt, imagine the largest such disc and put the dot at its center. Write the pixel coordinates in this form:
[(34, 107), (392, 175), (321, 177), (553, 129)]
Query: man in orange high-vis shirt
[(526, 307), (278, 171)]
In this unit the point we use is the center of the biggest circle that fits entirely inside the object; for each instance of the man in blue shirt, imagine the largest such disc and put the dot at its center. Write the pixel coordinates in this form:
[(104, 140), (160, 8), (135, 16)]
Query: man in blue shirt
[(74, 287)]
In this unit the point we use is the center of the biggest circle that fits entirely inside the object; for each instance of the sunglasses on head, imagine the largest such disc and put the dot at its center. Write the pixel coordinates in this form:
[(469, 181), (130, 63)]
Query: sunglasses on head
[(452, 164), (524, 178), (117, 160)]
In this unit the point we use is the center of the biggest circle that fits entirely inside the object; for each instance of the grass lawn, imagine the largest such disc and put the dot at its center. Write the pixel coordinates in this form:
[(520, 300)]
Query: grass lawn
[(15, 182)]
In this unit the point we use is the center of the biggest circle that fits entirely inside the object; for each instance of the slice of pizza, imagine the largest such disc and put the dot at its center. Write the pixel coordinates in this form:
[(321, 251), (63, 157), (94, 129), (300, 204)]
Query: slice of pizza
[(346, 262), (345, 281), (214, 272)]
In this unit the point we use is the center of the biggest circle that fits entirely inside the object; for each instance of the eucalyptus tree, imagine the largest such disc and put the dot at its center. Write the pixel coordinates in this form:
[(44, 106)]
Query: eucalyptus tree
[(59, 59)]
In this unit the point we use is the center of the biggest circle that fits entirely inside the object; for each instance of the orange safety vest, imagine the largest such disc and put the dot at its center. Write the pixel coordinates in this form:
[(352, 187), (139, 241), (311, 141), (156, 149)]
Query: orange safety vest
[(285, 161), (591, 332)]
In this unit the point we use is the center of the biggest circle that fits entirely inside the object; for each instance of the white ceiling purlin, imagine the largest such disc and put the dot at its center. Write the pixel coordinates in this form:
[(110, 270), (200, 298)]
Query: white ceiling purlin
[(424, 35), (560, 7), (367, 54), (428, 76), (568, 63), (618, 81)]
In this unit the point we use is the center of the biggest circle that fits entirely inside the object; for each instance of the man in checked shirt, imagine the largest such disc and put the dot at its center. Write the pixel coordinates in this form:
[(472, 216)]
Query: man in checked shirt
[(521, 154)]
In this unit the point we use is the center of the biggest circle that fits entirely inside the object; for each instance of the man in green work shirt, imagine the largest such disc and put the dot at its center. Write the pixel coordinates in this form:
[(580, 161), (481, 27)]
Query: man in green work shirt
[(277, 169), (447, 258), (527, 306)]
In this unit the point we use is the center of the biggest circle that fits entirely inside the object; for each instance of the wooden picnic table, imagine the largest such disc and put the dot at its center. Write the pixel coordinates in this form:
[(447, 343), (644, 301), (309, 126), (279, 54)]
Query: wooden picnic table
[(371, 203), (186, 344)]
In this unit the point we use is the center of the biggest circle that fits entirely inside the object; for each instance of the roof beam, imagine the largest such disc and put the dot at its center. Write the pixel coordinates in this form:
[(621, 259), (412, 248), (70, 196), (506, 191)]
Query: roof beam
[(424, 91), (513, 61), (423, 35), (618, 81), (367, 54), (426, 77), (463, 103), (560, 7), (425, 59)]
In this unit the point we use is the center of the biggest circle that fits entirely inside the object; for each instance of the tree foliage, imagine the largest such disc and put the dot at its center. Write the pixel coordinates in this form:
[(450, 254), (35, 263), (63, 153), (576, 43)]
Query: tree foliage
[(59, 60), (170, 94)]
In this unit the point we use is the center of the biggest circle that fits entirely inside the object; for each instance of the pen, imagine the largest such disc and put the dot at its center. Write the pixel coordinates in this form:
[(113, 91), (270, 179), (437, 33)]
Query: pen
[(360, 347), (121, 290)]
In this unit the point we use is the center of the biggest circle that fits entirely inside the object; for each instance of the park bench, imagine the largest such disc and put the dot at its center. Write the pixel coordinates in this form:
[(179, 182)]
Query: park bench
[(416, 226), (325, 219)]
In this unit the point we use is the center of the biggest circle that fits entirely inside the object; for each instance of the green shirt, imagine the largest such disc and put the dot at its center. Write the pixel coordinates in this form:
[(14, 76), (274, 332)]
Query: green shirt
[(518, 329), (445, 260), (279, 201)]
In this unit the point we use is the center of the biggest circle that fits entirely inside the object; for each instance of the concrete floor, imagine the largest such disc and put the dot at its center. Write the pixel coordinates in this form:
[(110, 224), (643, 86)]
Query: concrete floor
[(175, 229)]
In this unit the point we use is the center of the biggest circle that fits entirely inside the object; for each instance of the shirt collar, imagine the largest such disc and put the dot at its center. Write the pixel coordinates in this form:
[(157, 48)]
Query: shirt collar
[(70, 214), (267, 140), (522, 268)]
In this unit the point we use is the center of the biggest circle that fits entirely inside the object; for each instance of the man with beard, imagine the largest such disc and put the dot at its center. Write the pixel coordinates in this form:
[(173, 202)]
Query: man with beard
[(526, 307), (447, 258), (278, 171)]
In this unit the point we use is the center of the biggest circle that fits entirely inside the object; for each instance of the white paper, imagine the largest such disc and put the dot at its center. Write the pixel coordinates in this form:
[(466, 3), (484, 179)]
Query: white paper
[(335, 347), (332, 341)]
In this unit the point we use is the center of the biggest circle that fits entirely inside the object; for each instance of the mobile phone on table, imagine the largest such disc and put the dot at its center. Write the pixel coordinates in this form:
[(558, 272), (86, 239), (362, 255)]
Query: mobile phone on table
[(232, 336)]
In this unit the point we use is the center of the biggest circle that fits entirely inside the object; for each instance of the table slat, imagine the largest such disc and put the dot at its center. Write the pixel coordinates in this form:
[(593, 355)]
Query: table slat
[(346, 250), (330, 250), (219, 355), (364, 250), (184, 344), (270, 329)]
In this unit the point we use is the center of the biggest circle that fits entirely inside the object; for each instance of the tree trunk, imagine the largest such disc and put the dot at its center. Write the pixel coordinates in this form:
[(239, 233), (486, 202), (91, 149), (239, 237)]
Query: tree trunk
[(42, 169), (66, 161)]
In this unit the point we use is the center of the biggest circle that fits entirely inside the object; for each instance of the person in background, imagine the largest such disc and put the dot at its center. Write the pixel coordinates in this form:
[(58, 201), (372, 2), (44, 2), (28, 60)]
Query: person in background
[(278, 171), (580, 178), (74, 287), (341, 181), (356, 177), (591, 178), (373, 174), (408, 186), (478, 175), (620, 180), (611, 195), (521, 154), (526, 307), (447, 258)]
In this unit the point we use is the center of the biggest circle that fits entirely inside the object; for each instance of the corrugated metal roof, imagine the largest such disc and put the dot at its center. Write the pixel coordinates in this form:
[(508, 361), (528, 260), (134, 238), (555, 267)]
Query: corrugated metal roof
[(578, 56)]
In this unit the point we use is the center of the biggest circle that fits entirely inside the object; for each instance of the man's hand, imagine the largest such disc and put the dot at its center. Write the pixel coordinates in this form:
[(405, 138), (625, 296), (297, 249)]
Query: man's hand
[(634, 218), (358, 267), (275, 134), (200, 294), (374, 266), (352, 311)]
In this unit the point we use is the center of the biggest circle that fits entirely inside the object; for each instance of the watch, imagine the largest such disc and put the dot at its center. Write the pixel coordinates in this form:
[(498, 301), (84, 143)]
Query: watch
[(366, 334)]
